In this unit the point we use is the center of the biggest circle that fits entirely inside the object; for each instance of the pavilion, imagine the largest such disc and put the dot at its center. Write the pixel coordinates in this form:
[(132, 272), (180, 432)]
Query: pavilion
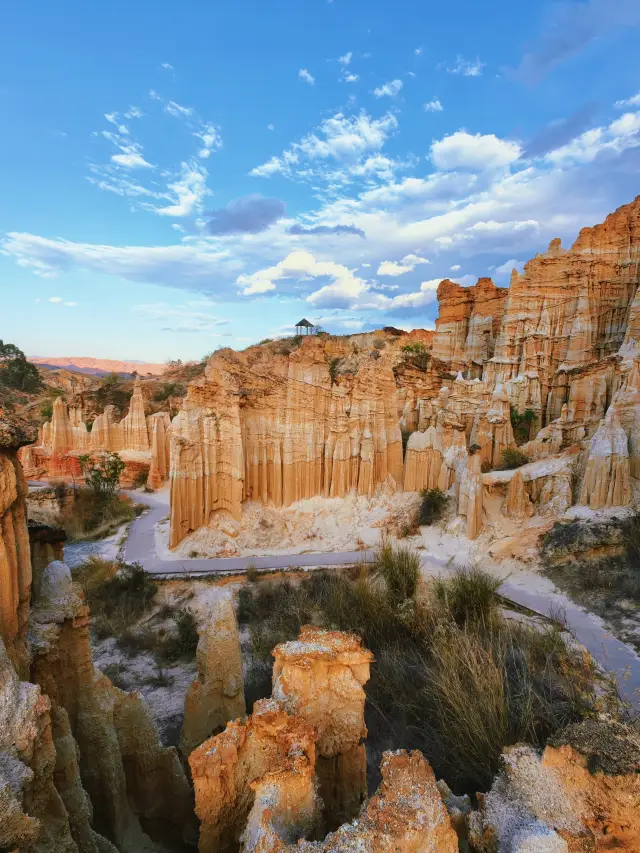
[(304, 327)]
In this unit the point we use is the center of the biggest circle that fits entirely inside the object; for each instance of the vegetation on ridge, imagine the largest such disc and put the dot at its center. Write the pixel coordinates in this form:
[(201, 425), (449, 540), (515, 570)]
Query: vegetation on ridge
[(452, 676)]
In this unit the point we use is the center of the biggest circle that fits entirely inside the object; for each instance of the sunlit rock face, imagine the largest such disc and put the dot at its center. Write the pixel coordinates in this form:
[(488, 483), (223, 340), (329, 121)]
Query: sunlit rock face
[(320, 677), (217, 694), (143, 443), (581, 794), (567, 311), (468, 323), (275, 428)]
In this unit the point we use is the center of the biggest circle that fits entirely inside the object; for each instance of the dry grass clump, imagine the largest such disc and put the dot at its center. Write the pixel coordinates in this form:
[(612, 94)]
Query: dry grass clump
[(452, 677), (121, 601), (91, 517)]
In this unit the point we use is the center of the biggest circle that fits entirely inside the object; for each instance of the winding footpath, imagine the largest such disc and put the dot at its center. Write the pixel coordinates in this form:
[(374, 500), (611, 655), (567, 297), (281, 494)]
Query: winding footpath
[(527, 589)]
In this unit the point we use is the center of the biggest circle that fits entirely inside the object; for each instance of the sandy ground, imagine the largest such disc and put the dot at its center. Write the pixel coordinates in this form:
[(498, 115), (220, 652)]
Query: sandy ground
[(317, 524)]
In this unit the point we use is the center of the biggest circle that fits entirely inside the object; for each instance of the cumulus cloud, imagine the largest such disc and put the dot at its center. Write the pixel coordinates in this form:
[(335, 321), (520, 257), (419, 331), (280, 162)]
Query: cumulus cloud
[(455, 268), (247, 215), (569, 27), (300, 230), (629, 102), (620, 134), (349, 141), (434, 106), (346, 59), (504, 270), (407, 264), (467, 67), (389, 90), (303, 74), (211, 140), (133, 112), (462, 150)]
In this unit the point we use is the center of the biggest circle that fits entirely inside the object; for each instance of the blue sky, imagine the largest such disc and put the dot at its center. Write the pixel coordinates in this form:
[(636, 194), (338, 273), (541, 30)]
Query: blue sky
[(177, 177)]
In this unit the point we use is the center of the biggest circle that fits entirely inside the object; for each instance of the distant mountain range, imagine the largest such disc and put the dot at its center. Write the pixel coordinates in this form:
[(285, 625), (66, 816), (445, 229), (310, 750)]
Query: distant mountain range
[(98, 366)]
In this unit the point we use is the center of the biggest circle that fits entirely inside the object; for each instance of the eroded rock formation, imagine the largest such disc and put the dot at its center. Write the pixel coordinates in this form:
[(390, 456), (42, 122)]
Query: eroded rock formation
[(81, 766), (217, 695), (141, 442), (583, 793), (320, 678)]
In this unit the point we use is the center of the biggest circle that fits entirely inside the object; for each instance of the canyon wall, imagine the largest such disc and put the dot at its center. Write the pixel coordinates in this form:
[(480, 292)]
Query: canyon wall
[(142, 442), (82, 769), (322, 416)]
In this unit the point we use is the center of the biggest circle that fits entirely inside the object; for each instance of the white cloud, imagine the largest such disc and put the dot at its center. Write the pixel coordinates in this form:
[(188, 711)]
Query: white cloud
[(462, 150), (187, 192), (407, 264), (351, 78), (134, 112), (622, 133), (390, 89), (434, 106), (269, 127), (167, 66), (131, 158), (177, 110), (455, 268), (346, 59), (505, 269), (211, 139), (55, 299), (70, 304), (347, 140), (467, 68), (303, 74), (629, 102), (419, 51)]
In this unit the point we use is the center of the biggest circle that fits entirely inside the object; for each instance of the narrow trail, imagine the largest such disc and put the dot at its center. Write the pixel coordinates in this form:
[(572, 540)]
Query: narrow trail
[(525, 588)]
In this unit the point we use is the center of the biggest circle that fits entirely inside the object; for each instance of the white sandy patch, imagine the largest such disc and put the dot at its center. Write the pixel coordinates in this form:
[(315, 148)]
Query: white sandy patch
[(318, 524)]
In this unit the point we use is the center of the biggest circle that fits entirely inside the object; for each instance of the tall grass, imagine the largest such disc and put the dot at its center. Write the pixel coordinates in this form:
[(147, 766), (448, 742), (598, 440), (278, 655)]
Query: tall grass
[(451, 677)]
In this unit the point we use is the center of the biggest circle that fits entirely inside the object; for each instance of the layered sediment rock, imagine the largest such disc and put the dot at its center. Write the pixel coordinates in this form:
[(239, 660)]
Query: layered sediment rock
[(141, 442), (607, 478), (80, 760), (320, 678), (583, 793), (217, 694), (269, 758), (468, 322)]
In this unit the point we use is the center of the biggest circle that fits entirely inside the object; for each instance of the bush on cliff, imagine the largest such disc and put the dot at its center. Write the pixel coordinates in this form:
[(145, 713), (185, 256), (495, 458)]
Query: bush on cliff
[(512, 458), (452, 677), (432, 506)]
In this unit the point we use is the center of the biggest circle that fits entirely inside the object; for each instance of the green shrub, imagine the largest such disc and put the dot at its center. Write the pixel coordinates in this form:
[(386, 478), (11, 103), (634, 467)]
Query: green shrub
[(521, 424), (466, 595), (417, 354), (452, 677), (400, 568), (333, 369), (102, 476), (16, 372), (512, 458), (169, 389), (433, 505)]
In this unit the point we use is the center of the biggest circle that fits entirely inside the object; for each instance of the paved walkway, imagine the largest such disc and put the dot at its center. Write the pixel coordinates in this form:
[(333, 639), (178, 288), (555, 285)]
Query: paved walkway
[(527, 589)]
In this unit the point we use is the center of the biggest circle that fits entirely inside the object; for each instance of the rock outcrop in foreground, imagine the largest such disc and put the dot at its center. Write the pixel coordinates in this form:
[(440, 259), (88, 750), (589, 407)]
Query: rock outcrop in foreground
[(322, 416), (82, 769)]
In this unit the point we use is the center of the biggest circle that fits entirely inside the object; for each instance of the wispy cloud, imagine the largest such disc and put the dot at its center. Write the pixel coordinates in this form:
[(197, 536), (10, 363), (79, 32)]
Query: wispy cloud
[(167, 66), (467, 67), (315, 230), (434, 106), (346, 59), (388, 90), (183, 318), (303, 74), (248, 215), (634, 101)]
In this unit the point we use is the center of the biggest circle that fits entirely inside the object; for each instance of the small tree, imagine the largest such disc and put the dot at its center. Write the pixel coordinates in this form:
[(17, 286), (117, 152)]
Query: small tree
[(102, 476), (16, 371)]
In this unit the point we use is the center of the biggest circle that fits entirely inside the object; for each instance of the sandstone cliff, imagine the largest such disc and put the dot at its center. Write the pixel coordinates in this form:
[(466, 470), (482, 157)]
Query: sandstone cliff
[(81, 766)]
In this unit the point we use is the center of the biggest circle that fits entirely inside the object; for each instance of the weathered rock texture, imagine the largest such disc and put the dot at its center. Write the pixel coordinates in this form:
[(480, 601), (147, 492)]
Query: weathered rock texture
[(142, 443), (261, 784), (81, 766), (320, 678), (269, 757), (292, 420), (217, 694), (582, 794)]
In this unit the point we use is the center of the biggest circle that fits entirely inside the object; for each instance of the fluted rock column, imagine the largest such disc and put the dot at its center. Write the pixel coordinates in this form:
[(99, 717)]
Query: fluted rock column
[(470, 498), (61, 429), (606, 479), (320, 679), (134, 425)]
